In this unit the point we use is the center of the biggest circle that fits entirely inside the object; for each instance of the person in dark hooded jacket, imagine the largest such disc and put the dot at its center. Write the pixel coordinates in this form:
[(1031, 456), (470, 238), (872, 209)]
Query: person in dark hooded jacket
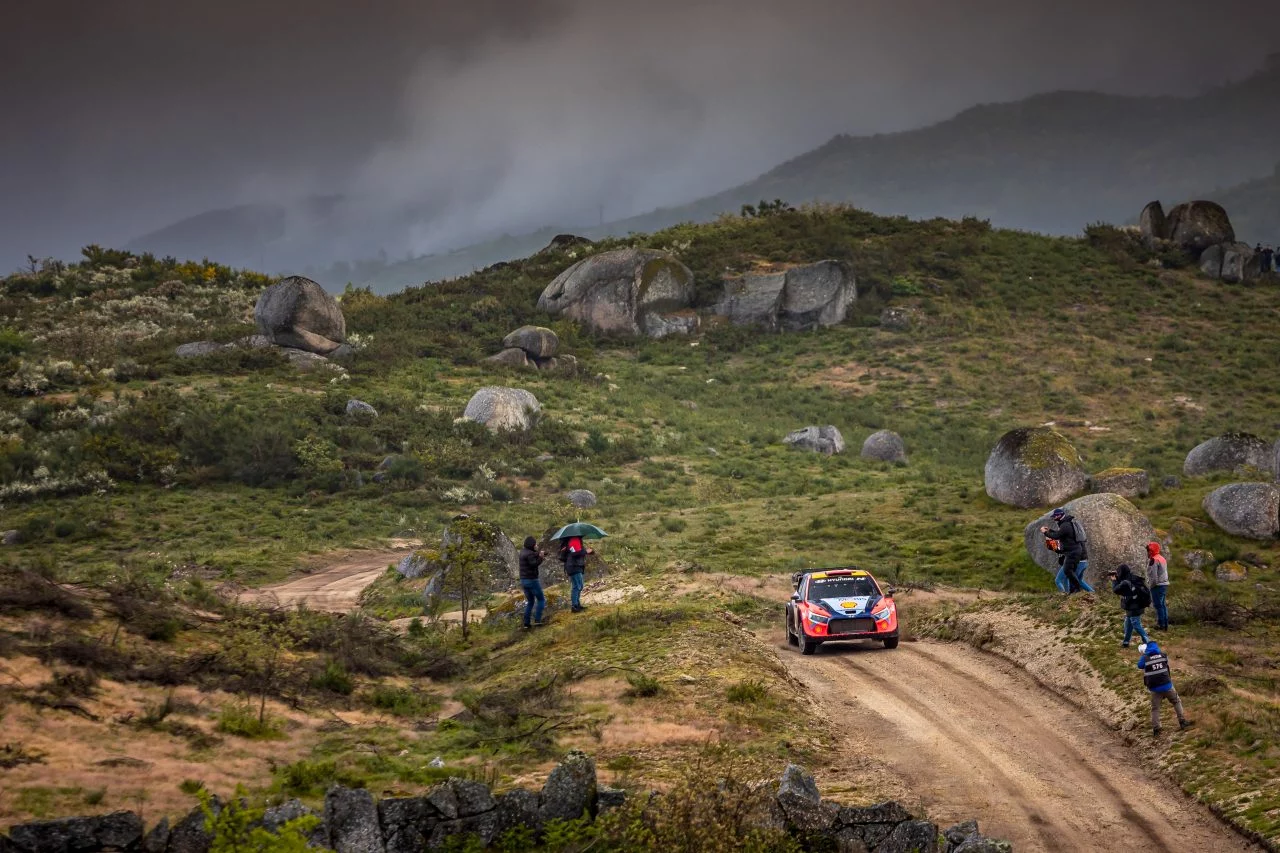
[(573, 553), (1134, 598), (1071, 546), (534, 599)]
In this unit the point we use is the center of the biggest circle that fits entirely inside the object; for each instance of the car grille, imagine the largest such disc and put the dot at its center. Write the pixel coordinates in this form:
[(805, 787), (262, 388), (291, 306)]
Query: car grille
[(851, 626)]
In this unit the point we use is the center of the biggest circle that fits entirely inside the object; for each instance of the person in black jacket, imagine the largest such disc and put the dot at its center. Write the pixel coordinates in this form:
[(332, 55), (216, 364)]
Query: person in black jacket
[(1071, 546), (573, 553), (534, 600), (1134, 598)]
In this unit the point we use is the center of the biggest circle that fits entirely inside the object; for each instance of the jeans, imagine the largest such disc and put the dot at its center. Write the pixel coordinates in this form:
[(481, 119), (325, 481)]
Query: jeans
[(1172, 696), (575, 589), (1061, 579), (1071, 571), (1131, 624), (534, 600), (1158, 596)]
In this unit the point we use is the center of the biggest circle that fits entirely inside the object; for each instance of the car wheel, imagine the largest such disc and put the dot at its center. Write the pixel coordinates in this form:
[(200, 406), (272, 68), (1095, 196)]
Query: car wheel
[(807, 646), (792, 640), (891, 643)]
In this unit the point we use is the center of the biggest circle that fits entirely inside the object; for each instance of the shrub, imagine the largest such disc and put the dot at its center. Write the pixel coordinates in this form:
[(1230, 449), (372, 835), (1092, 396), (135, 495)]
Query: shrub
[(334, 678), (750, 692), (242, 720), (402, 701), (642, 686), (674, 525)]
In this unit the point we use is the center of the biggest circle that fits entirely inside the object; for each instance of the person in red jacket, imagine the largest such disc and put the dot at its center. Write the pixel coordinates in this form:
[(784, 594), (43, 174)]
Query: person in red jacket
[(573, 553)]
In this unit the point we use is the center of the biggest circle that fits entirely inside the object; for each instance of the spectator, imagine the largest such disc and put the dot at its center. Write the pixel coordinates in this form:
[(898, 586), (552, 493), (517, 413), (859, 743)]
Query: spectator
[(1158, 583), (1155, 675), (574, 556), (1134, 598), (534, 599)]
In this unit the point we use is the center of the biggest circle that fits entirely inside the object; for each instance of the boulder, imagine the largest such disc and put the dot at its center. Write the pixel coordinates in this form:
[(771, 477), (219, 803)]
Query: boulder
[(11, 537), (255, 342), (1240, 263), (1118, 533), (1251, 510), (582, 498), (360, 409), (819, 439), (484, 827), (503, 409), (116, 831), (473, 797), (198, 349), (801, 298), (1211, 261), (1032, 467), (1197, 559), (570, 790), (1227, 453), (912, 836), (1231, 572), (796, 787), (564, 242), (352, 818), (414, 565), (619, 291), (307, 362), (608, 799), (1153, 224), (981, 844), (157, 840), (537, 341), (684, 322), (407, 823), (275, 817), (885, 446), (1197, 225), (1125, 482), (296, 312), (515, 809), (512, 357), (189, 834)]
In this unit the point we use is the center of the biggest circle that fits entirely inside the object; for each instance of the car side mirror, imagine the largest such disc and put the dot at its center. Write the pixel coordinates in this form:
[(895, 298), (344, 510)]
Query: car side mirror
[(888, 593), (795, 596)]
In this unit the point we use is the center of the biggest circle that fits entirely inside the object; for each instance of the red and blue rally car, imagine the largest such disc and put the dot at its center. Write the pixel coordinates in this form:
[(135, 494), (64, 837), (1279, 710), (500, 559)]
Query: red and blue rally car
[(840, 604)]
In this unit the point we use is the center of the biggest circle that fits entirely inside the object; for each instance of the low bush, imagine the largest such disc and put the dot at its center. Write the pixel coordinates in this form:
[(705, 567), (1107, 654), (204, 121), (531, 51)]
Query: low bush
[(243, 720)]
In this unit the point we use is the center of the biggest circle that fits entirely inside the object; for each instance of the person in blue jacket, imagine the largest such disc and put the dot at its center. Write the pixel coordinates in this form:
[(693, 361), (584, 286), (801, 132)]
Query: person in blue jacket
[(1154, 664)]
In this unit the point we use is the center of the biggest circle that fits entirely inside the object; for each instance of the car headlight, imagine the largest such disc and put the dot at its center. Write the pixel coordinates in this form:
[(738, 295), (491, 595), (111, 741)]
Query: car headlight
[(818, 619), (882, 615)]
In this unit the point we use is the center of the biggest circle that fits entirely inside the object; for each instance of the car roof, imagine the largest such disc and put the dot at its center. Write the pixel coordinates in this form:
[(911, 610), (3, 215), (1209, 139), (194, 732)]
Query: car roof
[(819, 574)]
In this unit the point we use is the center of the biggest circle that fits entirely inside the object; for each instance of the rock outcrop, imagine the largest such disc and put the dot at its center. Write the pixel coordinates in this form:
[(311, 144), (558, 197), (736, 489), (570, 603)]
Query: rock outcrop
[(1227, 453), (819, 439), (801, 298), (1251, 510), (1196, 225), (296, 312), (626, 291), (1231, 572), (495, 548), (1117, 532), (564, 243), (1032, 467), (885, 446), (460, 810), (1153, 224), (512, 357), (537, 341), (504, 409), (1125, 482), (1240, 264), (582, 498), (360, 409)]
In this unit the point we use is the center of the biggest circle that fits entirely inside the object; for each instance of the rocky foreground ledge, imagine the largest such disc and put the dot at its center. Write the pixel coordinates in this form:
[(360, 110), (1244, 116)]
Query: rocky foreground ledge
[(354, 822)]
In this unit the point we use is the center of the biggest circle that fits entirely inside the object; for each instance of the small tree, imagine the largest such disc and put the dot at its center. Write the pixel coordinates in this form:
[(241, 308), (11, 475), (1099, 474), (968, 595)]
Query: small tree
[(258, 651), (466, 571)]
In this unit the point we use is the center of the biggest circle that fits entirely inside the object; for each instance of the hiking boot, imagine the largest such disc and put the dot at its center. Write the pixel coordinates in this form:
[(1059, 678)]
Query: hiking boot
[(1183, 725), (1124, 645), (542, 623), (1155, 731), (578, 609)]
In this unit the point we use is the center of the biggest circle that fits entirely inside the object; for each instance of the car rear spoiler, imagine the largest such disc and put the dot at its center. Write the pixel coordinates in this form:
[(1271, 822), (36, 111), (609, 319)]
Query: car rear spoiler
[(796, 577)]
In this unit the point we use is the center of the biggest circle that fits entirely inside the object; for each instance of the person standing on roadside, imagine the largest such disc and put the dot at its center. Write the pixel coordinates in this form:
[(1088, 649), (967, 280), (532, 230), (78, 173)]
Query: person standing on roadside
[(1134, 598), (1267, 255), (1158, 583), (1072, 546), (534, 599), (573, 553), (1156, 676)]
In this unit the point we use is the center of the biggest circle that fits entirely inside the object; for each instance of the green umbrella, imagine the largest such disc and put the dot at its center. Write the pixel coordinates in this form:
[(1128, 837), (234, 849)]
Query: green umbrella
[(581, 529)]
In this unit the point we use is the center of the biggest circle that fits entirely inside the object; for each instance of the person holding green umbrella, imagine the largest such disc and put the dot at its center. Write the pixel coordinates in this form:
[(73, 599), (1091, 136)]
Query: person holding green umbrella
[(573, 553)]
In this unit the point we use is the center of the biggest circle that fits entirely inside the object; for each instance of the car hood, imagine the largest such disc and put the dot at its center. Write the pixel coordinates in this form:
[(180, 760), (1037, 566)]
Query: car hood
[(857, 606)]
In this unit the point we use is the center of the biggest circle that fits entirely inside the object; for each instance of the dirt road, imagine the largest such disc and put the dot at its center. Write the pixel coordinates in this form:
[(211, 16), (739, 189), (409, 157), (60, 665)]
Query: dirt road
[(974, 736), (336, 588)]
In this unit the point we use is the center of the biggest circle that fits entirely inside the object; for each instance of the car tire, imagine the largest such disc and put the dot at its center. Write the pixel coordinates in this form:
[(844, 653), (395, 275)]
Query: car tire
[(891, 643), (792, 639), (807, 646)]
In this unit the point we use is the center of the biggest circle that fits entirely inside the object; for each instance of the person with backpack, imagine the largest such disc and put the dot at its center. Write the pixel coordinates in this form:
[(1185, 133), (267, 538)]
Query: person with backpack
[(1072, 546), (1158, 583), (534, 599), (573, 553), (1134, 599), (1155, 675)]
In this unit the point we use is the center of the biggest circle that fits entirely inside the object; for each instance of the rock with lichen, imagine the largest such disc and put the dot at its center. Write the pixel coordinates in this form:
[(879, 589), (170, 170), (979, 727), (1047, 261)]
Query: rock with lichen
[(1032, 467), (1117, 532)]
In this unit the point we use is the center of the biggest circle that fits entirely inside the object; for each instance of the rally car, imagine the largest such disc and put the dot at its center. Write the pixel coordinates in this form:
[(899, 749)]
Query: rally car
[(840, 604)]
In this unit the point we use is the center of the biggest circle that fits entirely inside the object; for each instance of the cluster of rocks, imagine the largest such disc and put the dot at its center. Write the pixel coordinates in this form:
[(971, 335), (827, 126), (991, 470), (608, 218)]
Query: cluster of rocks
[(353, 821), (296, 317), (536, 348), (650, 292), (882, 446), (1202, 230)]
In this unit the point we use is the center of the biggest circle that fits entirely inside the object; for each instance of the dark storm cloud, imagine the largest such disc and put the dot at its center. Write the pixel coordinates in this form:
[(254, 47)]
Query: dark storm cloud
[(485, 116)]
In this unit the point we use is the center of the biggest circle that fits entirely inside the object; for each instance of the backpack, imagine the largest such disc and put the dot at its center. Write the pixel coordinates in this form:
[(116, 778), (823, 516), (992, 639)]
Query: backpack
[(1081, 536), (1141, 598)]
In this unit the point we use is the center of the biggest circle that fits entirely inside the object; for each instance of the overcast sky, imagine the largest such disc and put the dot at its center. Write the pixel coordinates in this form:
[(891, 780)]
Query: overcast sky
[(121, 116)]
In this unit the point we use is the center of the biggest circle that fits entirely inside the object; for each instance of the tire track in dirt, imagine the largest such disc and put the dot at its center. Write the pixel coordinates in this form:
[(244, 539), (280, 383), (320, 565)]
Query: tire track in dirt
[(336, 588), (976, 737)]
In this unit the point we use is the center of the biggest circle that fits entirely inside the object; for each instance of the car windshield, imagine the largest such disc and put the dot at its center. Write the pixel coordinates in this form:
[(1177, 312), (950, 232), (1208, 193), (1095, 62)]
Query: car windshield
[(841, 587)]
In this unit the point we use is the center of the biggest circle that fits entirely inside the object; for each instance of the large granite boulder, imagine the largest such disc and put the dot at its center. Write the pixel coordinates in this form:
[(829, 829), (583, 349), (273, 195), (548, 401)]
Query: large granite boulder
[(1251, 510), (1153, 224), (1211, 261), (582, 498), (1240, 263), (626, 291), (504, 409), (1227, 453), (1197, 225), (512, 357), (885, 446), (819, 439), (296, 312), (570, 790), (537, 341), (1034, 466), (352, 818), (1117, 532), (1125, 482), (801, 298)]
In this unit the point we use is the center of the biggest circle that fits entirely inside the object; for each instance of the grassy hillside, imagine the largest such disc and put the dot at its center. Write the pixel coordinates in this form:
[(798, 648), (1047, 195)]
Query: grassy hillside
[(120, 461)]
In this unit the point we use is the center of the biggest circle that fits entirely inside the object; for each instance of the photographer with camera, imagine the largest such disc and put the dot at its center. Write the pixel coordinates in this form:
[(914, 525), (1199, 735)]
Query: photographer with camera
[(1134, 599), (1072, 547)]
